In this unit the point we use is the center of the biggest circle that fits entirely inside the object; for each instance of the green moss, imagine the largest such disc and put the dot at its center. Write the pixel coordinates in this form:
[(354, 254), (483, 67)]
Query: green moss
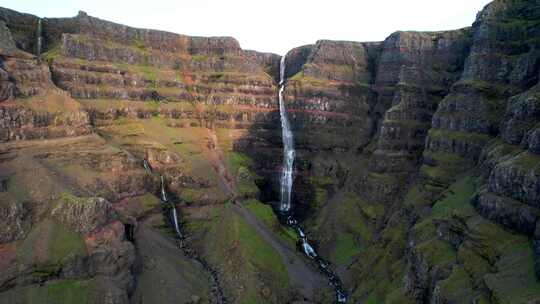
[(148, 201), (437, 252), (398, 296), (345, 248), (527, 161), (191, 195), (267, 216), (424, 230), (237, 160), (139, 44), (51, 54), (456, 199), (149, 73), (69, 291), (475, 265), (65, 242), (57, 292), (245, 258), (48, 244), (306, 80), (458, 136), (458, 287), (358, 216), (372, 298), (515, 281), (416, 197), (199, 58), (446, 167)]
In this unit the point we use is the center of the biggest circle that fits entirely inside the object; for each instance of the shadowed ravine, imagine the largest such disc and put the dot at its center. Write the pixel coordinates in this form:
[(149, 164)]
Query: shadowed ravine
[(285, 213), (304, 278)]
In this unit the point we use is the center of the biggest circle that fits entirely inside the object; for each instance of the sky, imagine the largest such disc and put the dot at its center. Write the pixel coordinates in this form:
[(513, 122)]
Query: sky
[(270, 26)]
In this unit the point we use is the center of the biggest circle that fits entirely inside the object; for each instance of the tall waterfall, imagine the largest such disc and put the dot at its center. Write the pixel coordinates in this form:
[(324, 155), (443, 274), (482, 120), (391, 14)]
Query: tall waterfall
[(39, 39), (288, 145), (286, 189)]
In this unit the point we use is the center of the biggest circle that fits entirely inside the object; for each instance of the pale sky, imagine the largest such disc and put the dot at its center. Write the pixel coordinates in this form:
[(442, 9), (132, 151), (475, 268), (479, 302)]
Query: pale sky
[(270, 26)]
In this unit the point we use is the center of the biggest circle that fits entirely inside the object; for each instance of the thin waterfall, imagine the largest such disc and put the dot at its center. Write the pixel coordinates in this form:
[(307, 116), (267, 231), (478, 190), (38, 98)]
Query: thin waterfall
[(39, 39), (175, 221), (174, 216), (288, 145), (146, 166), (163, 192)]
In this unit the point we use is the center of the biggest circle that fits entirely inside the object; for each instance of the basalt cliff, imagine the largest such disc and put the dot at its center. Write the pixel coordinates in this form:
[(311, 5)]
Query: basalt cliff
[(417, 170)]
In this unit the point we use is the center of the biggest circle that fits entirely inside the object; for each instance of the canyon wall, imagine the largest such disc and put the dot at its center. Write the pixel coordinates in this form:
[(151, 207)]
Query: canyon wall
[(417, 169)]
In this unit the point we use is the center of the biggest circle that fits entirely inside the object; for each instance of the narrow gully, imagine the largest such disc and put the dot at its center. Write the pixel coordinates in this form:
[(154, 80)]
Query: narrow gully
[(217, 291)]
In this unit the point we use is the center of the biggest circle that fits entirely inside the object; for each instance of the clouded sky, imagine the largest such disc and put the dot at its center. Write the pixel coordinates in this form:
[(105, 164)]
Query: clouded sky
[(271, 26)]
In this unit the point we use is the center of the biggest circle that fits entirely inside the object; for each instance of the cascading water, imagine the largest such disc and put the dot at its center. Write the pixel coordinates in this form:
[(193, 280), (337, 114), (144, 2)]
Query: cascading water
[(146, 166), (286, 190), (163, 192), (288, 145), (39, 39), (174, 216), (175, 221), (216, 288)]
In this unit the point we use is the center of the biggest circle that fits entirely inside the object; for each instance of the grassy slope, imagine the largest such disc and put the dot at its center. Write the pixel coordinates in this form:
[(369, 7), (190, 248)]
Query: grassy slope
[(252, 272)]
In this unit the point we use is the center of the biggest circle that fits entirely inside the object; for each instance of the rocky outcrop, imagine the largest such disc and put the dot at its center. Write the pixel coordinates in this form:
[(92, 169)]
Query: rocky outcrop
[(493, 98), (7, 45), (21, 75), (22, 123), (493, 72), (82, 215), (522, 115), (428, 64), (15, 224), (23, 28)]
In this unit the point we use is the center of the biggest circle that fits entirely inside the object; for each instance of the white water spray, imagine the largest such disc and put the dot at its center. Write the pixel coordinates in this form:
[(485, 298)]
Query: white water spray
[(308, 250), (39, 42), (288, 145), (146, 166), (163, 193), (175, 220)]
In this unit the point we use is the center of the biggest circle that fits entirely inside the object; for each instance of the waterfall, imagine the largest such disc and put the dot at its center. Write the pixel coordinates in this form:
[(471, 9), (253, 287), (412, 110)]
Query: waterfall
[(146, 166), (164, 199), (288, 145), (308, 250), (175, 220), (39, 39), (163, 193), (286, 189)]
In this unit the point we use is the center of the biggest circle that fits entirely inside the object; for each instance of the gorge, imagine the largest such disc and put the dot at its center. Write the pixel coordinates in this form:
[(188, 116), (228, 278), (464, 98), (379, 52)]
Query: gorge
[(399, 171)]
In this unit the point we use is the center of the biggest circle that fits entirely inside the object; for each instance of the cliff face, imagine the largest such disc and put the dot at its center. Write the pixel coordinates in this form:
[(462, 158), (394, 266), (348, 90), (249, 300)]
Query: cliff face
[(467, 152), (178, 102), (447, 159), (417, 169)]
